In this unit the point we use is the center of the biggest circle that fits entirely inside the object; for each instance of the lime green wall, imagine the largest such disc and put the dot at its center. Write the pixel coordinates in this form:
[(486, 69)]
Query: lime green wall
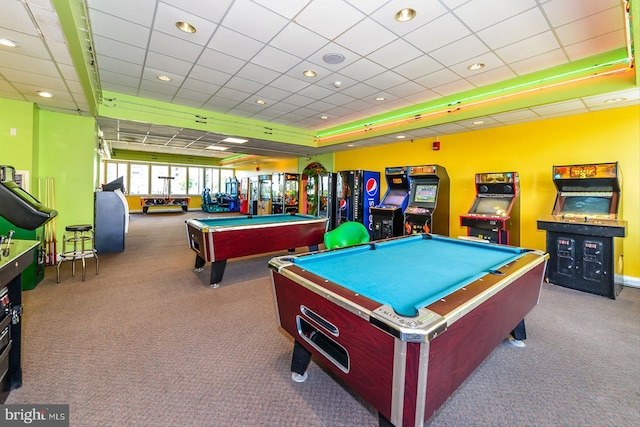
[(19, 150), (67, 153), (531, 149)]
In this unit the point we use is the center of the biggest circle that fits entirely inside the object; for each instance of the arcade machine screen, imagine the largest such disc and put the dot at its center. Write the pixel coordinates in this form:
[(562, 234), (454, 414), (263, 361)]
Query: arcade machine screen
[(491, 206), (586, 205), (425, 193), (394, 198)]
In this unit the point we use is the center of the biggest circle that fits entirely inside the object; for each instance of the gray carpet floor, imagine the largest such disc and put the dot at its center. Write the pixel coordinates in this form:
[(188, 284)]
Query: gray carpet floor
[(147, 343)]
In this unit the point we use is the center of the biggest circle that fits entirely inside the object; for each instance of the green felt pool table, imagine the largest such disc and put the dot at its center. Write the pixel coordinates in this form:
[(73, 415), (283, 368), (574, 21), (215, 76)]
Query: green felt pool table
[(217, 239), (404, 321)]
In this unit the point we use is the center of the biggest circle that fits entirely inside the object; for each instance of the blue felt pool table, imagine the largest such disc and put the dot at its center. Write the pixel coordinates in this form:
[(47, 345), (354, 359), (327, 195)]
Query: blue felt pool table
[(217, 239), (404, 321)]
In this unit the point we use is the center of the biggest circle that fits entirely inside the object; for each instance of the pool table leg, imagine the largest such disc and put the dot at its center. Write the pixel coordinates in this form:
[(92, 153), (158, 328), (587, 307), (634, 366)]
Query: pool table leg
[(519, 332), (383, 422), (199, 263), (313, 248), (300, 362), (217, 270)]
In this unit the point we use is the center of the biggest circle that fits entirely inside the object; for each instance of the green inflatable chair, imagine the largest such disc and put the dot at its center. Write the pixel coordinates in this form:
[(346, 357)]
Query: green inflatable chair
[(346, 234)]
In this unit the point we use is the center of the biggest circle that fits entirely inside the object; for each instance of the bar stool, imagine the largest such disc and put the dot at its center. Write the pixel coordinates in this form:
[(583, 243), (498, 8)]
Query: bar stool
[(77, 244)]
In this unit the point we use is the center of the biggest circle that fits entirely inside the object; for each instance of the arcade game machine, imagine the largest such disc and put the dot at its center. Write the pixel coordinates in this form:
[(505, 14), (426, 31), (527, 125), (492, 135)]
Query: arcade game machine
[(495, 213), (285, 193), (23, 211), (253, 195), (388, 216), (264, 195), (243, 195), (428, 209), (581, 230), (355, 191), (231, 187)]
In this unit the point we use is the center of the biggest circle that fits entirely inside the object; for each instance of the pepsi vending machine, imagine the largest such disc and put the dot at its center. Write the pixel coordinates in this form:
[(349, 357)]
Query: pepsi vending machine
[(354, 193)]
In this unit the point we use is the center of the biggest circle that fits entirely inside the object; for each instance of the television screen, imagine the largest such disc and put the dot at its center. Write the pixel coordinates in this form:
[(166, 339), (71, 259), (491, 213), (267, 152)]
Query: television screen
[(395, 198), (491, 206), (586, 205), (425, 193)]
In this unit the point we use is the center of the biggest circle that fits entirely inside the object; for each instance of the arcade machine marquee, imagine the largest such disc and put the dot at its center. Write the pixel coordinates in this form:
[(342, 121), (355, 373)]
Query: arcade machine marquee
[(495, 213), (582, 228)]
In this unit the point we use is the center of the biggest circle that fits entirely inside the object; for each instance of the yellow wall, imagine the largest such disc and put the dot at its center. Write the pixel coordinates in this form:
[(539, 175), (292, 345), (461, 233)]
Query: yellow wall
[(531, 149)]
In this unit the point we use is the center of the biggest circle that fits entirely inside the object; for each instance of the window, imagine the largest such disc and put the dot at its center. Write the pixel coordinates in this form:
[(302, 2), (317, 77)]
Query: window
[(195, 181), (212, 179), (159, 181), (224, 174), (139, 179), (178, 184), (115, 171)]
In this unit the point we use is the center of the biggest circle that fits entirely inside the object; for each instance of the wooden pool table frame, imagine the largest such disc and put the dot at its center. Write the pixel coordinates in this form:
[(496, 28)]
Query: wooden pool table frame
[(405, 372)]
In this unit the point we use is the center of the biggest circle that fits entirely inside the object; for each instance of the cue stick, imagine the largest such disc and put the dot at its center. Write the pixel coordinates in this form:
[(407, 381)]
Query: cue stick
[(53, 221), (47, 238)]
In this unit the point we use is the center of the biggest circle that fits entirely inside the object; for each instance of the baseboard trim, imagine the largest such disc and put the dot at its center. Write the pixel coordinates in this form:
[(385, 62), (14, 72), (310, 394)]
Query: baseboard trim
[(632, 282)]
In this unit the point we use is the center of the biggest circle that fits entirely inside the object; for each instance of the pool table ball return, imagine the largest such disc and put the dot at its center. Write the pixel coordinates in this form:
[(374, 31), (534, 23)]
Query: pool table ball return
[(404, 321), (218, 239)]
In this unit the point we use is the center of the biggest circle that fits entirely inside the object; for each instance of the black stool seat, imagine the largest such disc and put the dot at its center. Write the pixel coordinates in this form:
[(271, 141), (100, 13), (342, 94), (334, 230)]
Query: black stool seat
[(82, 227)]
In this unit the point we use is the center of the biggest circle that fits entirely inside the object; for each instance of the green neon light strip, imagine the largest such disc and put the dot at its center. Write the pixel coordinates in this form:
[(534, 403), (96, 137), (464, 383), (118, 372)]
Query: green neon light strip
[(460, 101)]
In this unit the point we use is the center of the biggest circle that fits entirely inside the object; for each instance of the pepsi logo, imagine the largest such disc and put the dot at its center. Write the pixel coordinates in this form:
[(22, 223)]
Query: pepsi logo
[(372, 187), (343, 204)]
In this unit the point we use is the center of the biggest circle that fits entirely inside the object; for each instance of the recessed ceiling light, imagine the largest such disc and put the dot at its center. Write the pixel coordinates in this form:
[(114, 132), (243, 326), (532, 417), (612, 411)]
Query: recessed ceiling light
[(261, 101), (186, 27), (476, 66), (400, 136), (309, 73), (164, 78), (235, 140), (478, 122), (216, 148), (380, 98), (8, 43), (405, 15), (45, 94), (324, 117), (350, 145), (612, 100)]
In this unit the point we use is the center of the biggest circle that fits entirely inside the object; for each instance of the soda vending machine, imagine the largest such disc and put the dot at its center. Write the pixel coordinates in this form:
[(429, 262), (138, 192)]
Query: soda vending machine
[(352, 194)]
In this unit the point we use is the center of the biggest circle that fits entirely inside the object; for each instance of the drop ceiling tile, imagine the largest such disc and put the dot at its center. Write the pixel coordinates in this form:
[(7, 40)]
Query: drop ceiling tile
[(169, 66), (117, 66), (212, 11), (395, 53), (200, 86), (407, 88), (359, 90), (590, 27), (539, 62), (516, 116), (119, 29), (479, 14), (29, 45), (166, 92), (439, 77), (170, 47), (359, 39), (298, 40), (116, 49), (440, 32), (362, 70), (275, 59), (36, 79), (459, 51), (208, 75), (329, 18), (272, 93), (425, 13), (561, 12), (289, 83), (220, 61), (14, 61), (514, 29), (167, 16), (151, 75), (235, 44), (528, 48), (193, 95), (454, 87), (600, 100), (560, 107), (604, 43), (60, 53), (229, 93), (244, 85), (15, 17), (384, 81), (299, 100), (134, 11), (254, 20)]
